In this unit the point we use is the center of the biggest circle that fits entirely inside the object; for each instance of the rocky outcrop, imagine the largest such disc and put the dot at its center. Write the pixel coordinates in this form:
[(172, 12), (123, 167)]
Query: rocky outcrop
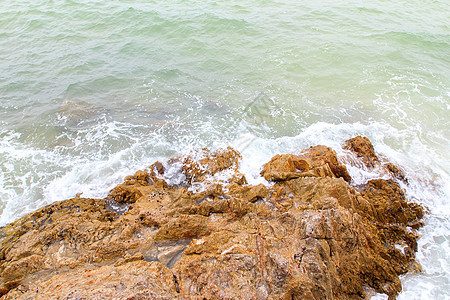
[(363, 148), (210, 235)]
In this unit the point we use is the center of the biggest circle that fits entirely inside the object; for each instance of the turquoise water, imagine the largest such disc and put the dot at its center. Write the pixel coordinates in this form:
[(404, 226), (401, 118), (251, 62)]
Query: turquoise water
[(91, 91)]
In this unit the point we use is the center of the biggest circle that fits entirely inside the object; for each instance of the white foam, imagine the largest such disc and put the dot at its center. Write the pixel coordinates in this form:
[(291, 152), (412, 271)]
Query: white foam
[(434, 256), (32, 178), (400, 248), (380, 297), (173, 174), (21, 178)]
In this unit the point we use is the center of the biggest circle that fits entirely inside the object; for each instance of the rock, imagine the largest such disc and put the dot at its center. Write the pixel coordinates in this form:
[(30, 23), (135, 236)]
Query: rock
[(125, 193), (323, 158), (363, 148), (366, 157), (250, 193), (285, 167), (310, 235), (390, 203), (134, 280), (183, 227), (203, 163), (396, 172)]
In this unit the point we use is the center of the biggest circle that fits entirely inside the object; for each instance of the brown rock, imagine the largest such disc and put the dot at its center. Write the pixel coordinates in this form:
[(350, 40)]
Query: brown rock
[(125, 193), (204, 162), (321, 156), (285, 167), (396, 172), (250, 193), (363, 148), (133, 280), (309, 236), (366, 157), (183, 227), (390, 203)]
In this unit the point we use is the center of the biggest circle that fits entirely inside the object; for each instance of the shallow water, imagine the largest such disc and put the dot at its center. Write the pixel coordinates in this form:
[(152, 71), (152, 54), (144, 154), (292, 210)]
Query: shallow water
[(92, 91)]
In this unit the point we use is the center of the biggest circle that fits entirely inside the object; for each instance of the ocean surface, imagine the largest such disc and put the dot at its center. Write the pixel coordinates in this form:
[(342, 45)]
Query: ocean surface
[(91, 91)]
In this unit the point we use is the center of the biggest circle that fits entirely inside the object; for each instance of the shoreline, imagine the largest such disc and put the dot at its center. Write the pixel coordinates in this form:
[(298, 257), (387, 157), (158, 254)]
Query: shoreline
[(310, 232)]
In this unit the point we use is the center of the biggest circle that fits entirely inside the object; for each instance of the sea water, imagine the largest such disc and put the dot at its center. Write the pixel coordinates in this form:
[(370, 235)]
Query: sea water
[(91, 91)]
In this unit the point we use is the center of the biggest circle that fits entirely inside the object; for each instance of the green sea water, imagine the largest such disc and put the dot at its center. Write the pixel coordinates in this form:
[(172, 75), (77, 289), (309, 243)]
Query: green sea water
[(91, 91)]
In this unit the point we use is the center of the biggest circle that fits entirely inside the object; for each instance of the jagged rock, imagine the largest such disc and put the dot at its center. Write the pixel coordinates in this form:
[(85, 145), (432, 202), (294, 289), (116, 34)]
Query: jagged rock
[(149, 281), (390, 203), (322, 156), (363, 148), (285, 167), (396, 172), (364, 151), (310, 235), (204, 163)]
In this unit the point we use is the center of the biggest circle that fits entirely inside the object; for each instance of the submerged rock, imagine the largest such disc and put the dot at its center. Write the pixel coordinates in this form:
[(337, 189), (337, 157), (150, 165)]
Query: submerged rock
[(310, 235)]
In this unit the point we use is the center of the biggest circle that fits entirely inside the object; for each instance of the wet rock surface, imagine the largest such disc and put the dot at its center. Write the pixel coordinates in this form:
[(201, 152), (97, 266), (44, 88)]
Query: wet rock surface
[(308, 235)]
